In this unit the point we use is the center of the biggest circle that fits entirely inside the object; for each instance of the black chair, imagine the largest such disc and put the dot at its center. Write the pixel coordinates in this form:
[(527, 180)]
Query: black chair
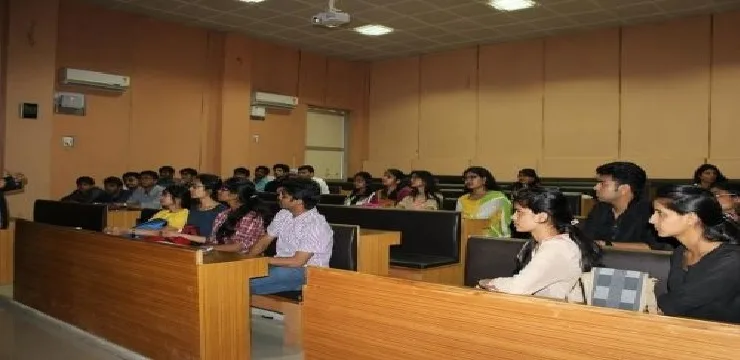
[(85, 216), (428, 238), (343, 254), (449, 204)]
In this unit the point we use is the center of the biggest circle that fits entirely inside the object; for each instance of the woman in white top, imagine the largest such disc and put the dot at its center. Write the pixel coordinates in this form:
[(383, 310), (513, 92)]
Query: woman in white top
[(551, 264)]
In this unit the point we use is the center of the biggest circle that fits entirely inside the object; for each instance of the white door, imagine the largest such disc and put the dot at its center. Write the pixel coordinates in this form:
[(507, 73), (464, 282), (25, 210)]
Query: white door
[(325, 139)]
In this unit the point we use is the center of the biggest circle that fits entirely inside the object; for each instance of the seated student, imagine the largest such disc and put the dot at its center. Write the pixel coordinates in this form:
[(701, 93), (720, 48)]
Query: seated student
[(115, 193), (307, 172), (424, 195), (86, 192), (707, 175), (280, 171), (242, 173), (131, 180), (261, 177), (362, 194), (394, 189), (175, 200), (166, 176), (729, 198), (147, 195), (621, 215), (241, 225), (204, 192), (303, 238), (484, 200), (551, 264), (187, 175), (9, 182), (703, 282), (526, 178)]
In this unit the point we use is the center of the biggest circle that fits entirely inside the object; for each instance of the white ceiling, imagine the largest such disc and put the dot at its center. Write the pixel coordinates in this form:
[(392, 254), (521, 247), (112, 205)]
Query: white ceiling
[(422, 26)]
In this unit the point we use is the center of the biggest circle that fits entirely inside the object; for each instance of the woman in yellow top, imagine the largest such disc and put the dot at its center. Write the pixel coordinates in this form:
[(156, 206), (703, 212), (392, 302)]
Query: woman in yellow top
[(484, 200), (175, 202)]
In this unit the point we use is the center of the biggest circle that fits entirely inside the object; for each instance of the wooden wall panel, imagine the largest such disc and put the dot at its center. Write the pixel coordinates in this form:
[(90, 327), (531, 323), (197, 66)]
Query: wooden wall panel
[(81, 26), (235, 145), (170, 79), (312, 82), (725, 107), (30, 77), (665, 96), (448, 105), (275, 68), (510, 107), (581, 102), (394, 110)]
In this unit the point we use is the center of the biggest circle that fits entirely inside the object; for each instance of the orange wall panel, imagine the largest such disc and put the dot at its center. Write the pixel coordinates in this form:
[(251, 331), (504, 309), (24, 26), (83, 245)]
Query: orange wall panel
[(275, 68), (394, 110), (510, 107), (448, 105), (30, 77), (581, 102), (236, 92), (725, 107), (312, 79), (665, 96)]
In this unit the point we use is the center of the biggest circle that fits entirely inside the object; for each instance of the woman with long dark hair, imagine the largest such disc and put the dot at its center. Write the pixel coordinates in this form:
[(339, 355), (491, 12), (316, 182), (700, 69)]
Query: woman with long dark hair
[(204, 190), (362, 194), (395, 187), (551, 264), (526, 178), (704, 280), (485, 200), (242, 224), (707, 175), (424, 194)]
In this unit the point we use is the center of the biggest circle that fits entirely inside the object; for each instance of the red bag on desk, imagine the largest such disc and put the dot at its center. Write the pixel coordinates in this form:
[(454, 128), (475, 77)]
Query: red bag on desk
[(187, 230)]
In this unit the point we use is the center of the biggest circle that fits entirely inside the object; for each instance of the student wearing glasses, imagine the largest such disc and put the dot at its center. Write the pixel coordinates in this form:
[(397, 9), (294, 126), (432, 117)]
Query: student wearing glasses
[(304, 238), (484, 200), (204, 192), (727, 196)]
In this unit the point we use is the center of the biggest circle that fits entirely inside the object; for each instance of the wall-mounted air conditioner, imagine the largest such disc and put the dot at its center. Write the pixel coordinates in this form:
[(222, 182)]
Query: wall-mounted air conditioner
[(94, 79), (274, 100)]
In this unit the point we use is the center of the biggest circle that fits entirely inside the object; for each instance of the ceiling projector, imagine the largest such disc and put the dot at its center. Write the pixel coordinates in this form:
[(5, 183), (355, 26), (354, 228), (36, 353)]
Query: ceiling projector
[(331, 18)]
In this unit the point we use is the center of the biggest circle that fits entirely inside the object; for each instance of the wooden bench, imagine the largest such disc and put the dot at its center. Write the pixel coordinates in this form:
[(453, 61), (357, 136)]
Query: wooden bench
[(7, 239), (123, 218), (354, 249), (162, 301), (356, 316)]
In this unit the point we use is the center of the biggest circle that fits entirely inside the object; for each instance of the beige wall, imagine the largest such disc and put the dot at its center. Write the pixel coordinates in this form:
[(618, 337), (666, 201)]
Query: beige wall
[(663, 95), (188, 105)]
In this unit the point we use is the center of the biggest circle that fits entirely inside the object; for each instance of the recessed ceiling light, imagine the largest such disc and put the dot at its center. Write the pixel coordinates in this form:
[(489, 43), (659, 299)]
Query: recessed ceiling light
[(511, 5), (373, 30), (251, 1)]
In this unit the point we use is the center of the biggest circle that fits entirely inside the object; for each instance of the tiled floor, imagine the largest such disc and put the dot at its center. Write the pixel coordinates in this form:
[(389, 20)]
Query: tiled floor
[(27, 336)]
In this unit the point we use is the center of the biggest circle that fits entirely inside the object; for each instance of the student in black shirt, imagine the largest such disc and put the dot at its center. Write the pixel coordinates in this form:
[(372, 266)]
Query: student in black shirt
[(115, 193), (86, 192), (704, 281), (281, 172), (621, 215)]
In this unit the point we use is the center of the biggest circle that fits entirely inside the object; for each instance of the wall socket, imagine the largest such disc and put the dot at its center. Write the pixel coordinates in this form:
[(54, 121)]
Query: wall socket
[(68, 141)]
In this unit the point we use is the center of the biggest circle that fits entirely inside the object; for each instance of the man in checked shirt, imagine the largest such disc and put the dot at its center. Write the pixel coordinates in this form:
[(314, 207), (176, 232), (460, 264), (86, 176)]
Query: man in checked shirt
[(303, 238)]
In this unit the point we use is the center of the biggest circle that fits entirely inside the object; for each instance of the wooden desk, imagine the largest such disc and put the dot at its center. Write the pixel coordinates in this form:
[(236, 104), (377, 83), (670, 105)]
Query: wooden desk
[(7, 237), (123, 218), (406, 320), (373, 250), (162, 301)]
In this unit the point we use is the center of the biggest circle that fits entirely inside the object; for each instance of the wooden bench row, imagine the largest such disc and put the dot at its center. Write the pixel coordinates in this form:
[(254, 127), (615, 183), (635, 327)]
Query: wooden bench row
[(357, 316)]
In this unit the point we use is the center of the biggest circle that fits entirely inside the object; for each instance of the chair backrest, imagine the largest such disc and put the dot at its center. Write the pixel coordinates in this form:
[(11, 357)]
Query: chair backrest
[(332, 199), (489, 257), (86, 216), (449, 204), (422, 232), (344, 251)]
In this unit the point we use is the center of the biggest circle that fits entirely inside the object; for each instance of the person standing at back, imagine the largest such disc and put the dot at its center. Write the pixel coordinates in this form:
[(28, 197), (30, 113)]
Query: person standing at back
[(307, 172), (304, 238), (621, 215)]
